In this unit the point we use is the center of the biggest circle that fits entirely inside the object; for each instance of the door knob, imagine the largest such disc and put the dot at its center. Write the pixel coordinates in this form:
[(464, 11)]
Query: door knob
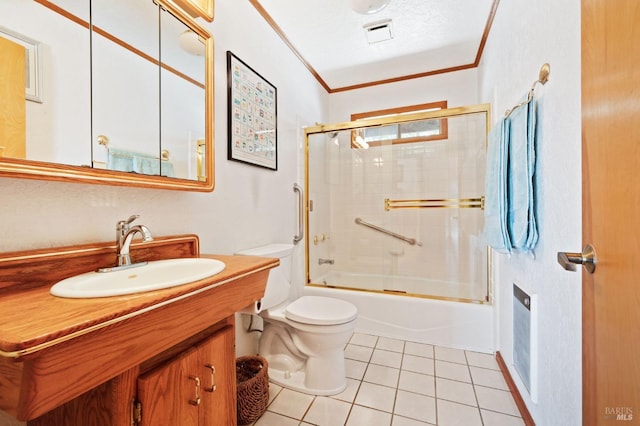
[(587, 259)]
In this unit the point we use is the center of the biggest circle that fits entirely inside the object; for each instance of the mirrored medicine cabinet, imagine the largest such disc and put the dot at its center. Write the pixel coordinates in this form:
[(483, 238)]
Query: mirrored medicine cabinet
[(107, 91)]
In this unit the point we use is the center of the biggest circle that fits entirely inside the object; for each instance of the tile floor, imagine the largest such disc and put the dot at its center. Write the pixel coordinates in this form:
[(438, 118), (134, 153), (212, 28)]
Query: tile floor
[(398, 383)]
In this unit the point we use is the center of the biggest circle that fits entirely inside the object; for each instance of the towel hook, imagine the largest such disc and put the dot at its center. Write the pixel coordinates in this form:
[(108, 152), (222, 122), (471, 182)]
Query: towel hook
[(543, 77)]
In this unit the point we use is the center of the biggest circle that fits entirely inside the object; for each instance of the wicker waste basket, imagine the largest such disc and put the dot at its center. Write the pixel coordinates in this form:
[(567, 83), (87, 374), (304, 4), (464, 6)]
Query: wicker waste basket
[(252, 380)]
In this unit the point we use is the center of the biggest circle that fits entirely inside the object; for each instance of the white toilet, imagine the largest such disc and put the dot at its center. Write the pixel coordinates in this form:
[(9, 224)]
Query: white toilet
[(303, 339)]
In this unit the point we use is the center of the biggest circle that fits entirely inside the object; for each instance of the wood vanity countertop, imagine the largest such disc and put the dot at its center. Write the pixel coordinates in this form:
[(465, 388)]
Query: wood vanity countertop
[(54, 349), (32, 319)]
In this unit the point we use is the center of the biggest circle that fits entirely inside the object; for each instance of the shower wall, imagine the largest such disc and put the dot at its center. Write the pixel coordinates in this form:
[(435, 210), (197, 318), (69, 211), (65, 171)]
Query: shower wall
[(346, 183)]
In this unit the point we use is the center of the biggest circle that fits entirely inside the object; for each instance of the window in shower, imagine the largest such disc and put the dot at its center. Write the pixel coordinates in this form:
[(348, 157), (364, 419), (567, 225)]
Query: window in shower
[(400, 218), (408, 132)]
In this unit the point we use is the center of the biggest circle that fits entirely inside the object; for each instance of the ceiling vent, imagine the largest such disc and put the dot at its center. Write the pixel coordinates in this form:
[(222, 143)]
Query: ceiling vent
[(378, 31)]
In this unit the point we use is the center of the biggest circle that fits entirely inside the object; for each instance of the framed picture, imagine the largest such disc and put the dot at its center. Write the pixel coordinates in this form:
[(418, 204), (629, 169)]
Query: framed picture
[(252, 116), (33, 85)]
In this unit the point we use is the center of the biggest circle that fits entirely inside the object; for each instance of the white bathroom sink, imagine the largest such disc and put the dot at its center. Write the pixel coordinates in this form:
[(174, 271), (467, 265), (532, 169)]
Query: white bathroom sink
[(154, 275)]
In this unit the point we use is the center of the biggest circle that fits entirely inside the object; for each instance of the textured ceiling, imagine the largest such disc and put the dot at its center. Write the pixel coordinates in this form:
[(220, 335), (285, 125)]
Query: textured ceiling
[(428, 35)]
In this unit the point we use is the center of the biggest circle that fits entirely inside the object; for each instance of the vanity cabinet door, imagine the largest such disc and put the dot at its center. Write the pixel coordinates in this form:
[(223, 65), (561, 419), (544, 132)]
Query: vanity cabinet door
[(170, 394), (197, 387), (217, 361)]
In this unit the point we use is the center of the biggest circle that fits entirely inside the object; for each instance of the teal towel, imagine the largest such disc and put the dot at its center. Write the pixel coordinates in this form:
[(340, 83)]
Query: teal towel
[(510, 219), (495, 206), (119, 160), (129, 161), (146, 165), (521, 221), (166, 168)]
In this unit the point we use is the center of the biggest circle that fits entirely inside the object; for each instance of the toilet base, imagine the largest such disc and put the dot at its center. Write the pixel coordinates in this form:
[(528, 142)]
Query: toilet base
[(296, 382)]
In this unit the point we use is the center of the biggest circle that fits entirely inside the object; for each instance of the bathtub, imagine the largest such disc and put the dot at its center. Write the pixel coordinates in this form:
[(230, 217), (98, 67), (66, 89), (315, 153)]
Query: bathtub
[(462, 325)]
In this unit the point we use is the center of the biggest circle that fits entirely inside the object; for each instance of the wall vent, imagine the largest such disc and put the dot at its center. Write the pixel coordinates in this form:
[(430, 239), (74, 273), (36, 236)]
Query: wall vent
[(378, 31), (525, 347)]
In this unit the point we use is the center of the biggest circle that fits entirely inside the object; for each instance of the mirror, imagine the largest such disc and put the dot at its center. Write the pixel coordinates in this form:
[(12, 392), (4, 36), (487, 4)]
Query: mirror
[(126, 103)]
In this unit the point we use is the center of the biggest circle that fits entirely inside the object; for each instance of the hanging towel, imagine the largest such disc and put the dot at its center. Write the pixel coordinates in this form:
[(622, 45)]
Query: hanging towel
[(495, 206), (129, 161), (521, 221), (510, 219), (166, 168), (146, 165), (119, 160), (532, 239)]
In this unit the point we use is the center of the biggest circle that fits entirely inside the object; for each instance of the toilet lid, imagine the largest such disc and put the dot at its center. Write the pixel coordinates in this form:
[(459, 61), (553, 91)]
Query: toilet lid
[(319, 310)]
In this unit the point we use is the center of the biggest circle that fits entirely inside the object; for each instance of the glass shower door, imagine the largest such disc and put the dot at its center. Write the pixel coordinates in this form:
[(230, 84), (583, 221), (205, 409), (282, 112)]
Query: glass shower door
[(393, 213)]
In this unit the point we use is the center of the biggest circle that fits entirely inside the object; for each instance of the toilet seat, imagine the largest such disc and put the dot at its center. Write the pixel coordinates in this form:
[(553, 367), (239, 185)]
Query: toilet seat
[(319, 310)]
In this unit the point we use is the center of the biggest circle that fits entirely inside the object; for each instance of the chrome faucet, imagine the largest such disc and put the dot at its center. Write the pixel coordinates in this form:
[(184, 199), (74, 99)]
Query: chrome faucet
[(124, 258), (322, 261), (124, 236)]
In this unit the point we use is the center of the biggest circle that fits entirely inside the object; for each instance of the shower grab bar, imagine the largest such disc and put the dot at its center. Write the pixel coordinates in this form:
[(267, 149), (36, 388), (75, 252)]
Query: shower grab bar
[(411, 241), (298, 237), (458, 203)]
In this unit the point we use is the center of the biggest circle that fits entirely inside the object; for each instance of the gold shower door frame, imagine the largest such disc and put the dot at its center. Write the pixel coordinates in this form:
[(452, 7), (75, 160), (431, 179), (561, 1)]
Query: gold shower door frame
[(383, 121)]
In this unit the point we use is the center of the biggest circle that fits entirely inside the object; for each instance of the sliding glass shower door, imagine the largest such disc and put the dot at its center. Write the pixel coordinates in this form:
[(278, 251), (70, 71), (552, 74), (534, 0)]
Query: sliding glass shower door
[(395, 205)]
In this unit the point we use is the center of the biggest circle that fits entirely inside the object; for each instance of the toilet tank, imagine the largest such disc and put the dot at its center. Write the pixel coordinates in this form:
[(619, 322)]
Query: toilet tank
[(279, 282)]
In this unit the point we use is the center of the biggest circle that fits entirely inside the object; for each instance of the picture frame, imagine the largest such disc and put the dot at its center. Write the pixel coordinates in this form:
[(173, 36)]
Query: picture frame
[(33, 77), (252, 116)]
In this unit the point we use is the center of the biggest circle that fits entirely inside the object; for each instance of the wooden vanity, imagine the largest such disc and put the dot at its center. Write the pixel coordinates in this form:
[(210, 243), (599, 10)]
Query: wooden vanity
[(146, 359)]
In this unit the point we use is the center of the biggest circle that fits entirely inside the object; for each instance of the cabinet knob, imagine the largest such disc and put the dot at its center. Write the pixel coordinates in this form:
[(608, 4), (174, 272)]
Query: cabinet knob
[(195, 401), (211, 388)]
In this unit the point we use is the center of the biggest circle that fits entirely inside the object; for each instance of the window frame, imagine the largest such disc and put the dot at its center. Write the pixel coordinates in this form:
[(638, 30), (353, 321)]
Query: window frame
[(444, 128)]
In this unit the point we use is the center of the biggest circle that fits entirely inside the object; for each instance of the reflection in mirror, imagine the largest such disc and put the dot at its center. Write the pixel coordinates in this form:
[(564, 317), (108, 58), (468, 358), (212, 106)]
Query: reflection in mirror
[(131, 57), (124, 89), (57, 128), (182, 95)]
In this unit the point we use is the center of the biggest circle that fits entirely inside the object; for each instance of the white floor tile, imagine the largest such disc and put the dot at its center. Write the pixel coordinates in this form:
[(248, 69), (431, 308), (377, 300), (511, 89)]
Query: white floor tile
[(418, 364), (291, 404), (381, 375), (403, 421), (359, 353), (388, 344), (453, 414), (349, 394), (418, 349), (273, 419), (387, 358), (455, 391), (478, 359), (376, 396), (415, 406), (453, 371), (274, 390), (364, 340), (355, 369), (449, 354), (393, 382), (417, 383), (491, 418), (363, 416), (488, 378), (326, 411), (496, 400)]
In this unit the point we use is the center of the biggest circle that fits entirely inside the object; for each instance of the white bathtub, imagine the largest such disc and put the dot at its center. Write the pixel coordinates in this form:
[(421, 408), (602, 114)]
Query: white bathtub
[(461, 325)]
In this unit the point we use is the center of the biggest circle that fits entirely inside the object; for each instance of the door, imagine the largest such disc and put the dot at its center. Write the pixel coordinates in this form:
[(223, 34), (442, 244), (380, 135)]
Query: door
[(170, 395), (12, 93), (611, 210), (198, 387), (217, 365)]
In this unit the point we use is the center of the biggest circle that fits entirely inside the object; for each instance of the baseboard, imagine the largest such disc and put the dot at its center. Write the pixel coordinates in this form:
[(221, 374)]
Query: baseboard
[(522, 407)]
